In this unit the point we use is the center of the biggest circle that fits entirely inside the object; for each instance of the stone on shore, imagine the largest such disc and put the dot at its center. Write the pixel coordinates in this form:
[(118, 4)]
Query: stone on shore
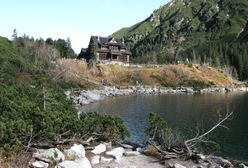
[(40, 164), (95, 159), (179, 166), (52, 153), (82, 163), (242, 165), (99, 149), (75, 152), (106, 159), (117, 153)]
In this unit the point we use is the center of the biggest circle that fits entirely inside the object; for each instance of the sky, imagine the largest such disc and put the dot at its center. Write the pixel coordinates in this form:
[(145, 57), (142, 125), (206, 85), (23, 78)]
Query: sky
[(76, 19)]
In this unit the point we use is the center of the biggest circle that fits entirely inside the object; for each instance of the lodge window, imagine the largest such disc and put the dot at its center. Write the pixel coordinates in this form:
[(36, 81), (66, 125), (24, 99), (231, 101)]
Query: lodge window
[(114, 56), (113, 48)]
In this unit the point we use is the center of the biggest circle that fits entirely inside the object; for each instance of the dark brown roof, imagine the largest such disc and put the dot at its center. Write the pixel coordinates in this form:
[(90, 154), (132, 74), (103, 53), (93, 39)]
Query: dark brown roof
[(105, 41)]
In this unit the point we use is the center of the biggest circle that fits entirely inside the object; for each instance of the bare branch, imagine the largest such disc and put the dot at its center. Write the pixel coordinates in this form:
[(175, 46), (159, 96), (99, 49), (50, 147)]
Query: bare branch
[(188, 143)]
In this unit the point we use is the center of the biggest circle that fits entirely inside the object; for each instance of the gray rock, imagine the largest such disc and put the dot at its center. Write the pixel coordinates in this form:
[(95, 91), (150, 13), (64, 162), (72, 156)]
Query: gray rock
[(117, 153), (242, 165), (95, 159), (52, 153), (82, 163), (99, 149), (76, 151), (40, 164), (189, 90), (105, 159), (108, 145), (178, 166), (221, 161)]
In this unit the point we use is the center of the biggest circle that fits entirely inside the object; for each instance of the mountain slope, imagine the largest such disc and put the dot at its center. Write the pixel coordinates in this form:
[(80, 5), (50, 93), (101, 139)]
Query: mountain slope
[(243, 37), (181, 25)]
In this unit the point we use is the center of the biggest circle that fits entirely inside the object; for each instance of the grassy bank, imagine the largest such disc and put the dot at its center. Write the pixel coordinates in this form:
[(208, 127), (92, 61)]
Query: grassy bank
[(166, 75)]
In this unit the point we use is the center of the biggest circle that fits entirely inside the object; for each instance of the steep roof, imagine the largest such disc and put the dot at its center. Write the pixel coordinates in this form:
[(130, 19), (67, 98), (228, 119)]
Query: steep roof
[(105, 41)]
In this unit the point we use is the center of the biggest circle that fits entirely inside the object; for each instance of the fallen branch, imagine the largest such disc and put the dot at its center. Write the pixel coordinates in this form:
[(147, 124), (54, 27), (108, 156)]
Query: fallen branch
[(192, 142), (166, 154)]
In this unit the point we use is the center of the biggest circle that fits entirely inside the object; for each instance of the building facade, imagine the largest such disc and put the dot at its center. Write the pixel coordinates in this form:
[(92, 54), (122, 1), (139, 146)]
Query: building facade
[(109, 49)]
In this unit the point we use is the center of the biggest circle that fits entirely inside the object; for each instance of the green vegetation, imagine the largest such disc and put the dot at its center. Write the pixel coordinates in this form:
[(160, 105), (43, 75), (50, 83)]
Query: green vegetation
[(162, 134), (33, 107), (206, 32), (168, 139)]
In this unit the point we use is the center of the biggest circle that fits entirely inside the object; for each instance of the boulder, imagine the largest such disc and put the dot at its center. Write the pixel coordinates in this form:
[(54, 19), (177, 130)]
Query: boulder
[(93, 95), (95, 159), (117, 153), (75, 152), (105, 159), (99, 149), (108, 145), (178, 166), (52, 153), (80, 163), (40, 164), (189, 90), (242, 165)]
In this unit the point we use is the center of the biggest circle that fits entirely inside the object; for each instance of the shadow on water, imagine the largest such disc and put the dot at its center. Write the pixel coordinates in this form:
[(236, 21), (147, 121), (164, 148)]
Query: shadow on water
[(184, 112)]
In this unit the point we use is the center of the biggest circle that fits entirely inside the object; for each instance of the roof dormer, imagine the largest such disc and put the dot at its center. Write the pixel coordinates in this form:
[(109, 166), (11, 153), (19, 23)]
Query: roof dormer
[(112, 40)]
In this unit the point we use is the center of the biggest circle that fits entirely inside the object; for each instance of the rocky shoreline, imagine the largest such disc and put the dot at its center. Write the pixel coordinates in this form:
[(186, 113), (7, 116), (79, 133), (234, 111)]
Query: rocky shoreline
[(129, 156), (85, 97), (104, 155)]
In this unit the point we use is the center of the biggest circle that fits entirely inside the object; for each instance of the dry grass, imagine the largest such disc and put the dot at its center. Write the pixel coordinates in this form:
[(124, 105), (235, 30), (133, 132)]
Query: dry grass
[(167, 75), (17, 161)]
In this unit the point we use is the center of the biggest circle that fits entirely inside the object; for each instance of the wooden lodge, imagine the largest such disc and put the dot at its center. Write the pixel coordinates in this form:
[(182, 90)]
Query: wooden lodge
[(107, 49)]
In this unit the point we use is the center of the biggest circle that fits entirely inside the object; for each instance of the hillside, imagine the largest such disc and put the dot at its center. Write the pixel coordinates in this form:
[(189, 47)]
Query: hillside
[(34, 110), (167, 75), (243, 37), (188, 29)]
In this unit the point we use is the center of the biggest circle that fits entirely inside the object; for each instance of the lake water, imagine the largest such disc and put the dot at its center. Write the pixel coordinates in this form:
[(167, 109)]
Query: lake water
[(185, 112)]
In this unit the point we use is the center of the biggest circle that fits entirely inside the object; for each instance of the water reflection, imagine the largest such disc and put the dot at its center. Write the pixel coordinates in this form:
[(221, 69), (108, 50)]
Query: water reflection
[(184, 112)]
